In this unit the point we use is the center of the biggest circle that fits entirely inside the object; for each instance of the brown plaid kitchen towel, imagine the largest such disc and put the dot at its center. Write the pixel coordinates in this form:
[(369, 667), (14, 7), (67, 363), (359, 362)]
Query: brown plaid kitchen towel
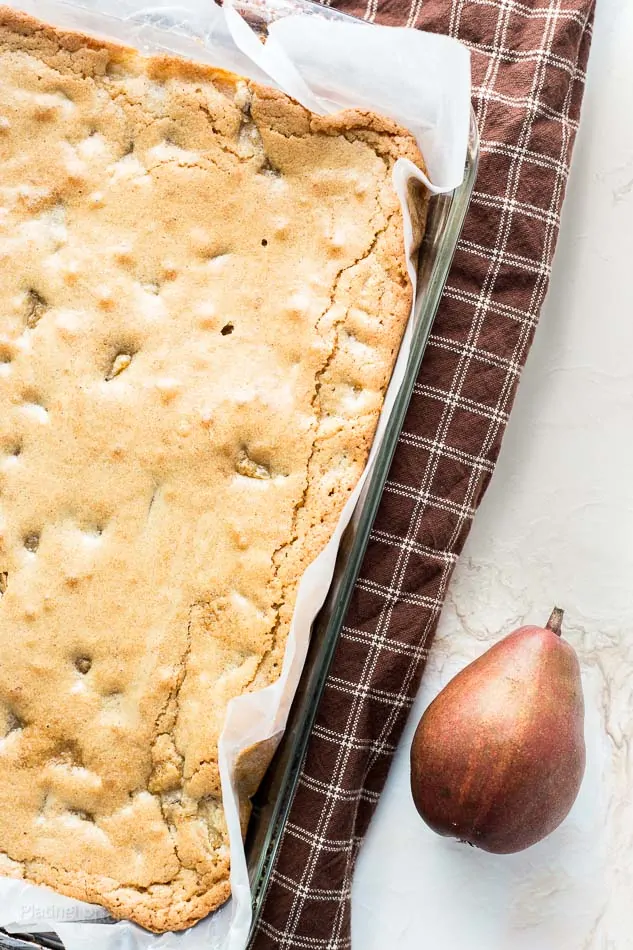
[(529, 59)]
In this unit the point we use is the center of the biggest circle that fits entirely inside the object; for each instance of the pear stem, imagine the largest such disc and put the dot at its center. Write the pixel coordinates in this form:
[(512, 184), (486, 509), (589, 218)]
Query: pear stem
[(555, 621)]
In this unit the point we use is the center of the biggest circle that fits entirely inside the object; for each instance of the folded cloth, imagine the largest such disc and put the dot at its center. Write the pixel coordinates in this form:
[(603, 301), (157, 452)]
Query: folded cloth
[(529, 59)]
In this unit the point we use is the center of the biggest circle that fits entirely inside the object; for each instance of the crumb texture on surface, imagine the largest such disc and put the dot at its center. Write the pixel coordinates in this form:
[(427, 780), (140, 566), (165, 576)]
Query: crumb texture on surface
[(203, 292)]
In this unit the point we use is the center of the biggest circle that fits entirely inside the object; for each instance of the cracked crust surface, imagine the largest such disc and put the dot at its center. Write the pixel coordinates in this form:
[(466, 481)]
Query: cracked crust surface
[(203, 292)]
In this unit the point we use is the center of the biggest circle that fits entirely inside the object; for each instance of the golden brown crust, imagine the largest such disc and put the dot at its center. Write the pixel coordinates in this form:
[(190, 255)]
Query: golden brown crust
[(204, 290)]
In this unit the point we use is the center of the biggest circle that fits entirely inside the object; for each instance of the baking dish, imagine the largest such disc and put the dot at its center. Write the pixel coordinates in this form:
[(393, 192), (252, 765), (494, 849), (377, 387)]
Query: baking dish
[(445, 219)]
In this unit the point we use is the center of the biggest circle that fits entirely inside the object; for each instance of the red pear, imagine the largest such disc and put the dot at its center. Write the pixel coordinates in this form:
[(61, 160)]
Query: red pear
[(498, 757)]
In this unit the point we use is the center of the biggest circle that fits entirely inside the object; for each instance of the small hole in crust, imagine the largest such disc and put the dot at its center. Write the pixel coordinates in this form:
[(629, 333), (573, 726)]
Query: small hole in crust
[(227, 329), (36, 307), (32, 398), (113, 697), (120, 363), (247, 467), (14, 723), (264, 242), (69, 755), (83, 664), (267, 168), (45, 804), (216, 253), (4, 581), (32, 542), (83, 815), (152, 500)]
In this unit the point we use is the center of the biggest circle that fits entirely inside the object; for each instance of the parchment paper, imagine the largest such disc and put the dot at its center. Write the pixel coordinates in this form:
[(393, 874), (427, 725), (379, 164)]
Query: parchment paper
[(423, 81)]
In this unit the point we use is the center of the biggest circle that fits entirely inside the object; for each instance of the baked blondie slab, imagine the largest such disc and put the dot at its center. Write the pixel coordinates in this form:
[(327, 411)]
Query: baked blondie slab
[(202, 294)]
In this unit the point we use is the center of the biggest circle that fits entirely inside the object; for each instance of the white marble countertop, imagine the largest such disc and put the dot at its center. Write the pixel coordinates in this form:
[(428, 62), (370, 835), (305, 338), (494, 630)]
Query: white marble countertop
[(555, 527)]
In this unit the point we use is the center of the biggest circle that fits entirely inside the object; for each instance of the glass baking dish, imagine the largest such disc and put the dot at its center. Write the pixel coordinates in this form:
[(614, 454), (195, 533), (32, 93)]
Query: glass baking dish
[(273, 800)]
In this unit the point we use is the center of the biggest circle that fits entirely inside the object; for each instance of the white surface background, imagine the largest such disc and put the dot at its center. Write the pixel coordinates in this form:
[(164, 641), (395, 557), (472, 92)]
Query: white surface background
[(555, 527)]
